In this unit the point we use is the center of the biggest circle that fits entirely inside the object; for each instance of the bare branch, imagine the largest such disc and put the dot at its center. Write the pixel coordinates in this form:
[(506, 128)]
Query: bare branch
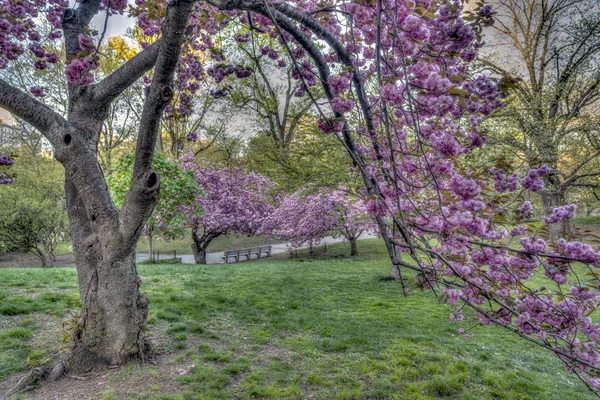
[(42, 117), (143, 192), (117, 82)]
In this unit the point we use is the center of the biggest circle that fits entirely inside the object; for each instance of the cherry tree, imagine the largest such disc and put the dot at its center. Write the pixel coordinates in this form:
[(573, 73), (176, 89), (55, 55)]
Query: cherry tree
[(114, 312), (352, 218), (301, 218), (231, 201), (6, 161), (401, 97)]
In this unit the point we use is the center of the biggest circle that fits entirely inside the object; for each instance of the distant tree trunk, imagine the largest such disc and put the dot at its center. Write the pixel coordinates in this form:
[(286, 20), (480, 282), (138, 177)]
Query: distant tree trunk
[(551, 200), (353, 247), (311, 248), (41, 256), (150, 253), (200, 244)]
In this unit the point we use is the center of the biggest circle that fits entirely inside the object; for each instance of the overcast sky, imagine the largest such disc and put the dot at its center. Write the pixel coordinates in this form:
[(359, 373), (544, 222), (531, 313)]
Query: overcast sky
[(117, 24)]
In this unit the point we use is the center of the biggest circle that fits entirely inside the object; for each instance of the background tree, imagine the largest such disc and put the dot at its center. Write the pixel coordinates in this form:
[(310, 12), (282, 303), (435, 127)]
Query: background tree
[(273, 101), (310, 160), (231, 201), (352, 218), (33, 215), (551, 49), (301, 218), (178, 189)]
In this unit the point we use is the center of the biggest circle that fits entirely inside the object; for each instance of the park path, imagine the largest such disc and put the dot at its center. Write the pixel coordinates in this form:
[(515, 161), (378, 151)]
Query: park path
[(215, 258)]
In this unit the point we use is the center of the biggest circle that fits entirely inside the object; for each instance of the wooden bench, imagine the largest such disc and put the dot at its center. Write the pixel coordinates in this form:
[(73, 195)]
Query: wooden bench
[(231, 254), (247, 253), (255, 251), (264, 249), (244, 253)]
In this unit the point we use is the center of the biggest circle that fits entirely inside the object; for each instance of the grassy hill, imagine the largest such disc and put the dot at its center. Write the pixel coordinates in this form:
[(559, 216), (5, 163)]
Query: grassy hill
[(330, 327)]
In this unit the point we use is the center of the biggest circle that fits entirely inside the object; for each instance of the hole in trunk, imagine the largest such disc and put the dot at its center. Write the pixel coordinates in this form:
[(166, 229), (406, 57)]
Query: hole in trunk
[(67, 139), (152, 179)]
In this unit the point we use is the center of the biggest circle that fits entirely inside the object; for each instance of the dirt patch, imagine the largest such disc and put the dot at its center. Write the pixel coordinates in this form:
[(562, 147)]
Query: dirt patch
[(20, 260), (128, 382)]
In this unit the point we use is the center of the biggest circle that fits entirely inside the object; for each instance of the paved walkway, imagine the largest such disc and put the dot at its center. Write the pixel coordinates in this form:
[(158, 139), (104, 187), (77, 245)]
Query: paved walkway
[(215, 258)]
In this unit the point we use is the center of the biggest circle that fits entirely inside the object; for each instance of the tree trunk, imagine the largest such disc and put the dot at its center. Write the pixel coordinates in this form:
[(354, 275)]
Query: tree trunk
[(353, 247), (199, 252), (200, 244), (110, 329), (551, 200), (150, 254)]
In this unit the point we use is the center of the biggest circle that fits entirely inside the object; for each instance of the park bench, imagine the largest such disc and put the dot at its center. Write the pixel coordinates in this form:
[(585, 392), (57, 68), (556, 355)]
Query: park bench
[(231, 254), (248, 253), (244, 253), (255, 251), (264, 250)]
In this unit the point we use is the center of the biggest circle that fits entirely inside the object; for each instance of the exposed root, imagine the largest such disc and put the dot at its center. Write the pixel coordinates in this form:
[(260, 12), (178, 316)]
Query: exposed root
[(25, 383)]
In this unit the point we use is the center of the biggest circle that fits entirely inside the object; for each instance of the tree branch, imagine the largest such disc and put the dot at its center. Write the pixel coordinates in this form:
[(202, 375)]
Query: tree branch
[(143, 192), (42, 117), (117, 82)]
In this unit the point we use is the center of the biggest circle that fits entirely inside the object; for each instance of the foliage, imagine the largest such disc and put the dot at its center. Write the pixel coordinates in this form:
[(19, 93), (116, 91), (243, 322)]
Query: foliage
[(300, 218), (233, 201), (311, 160), (352, 216), (32, 210), (178, 192)]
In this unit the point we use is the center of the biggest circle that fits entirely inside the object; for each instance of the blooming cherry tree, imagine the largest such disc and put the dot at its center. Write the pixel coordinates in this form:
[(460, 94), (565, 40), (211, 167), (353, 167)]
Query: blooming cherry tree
[(352, 218), (231, 201), (301, 218), (401, 97)]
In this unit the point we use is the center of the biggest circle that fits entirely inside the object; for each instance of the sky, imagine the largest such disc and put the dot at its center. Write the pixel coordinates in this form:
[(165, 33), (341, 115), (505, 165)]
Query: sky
[(117, 24)]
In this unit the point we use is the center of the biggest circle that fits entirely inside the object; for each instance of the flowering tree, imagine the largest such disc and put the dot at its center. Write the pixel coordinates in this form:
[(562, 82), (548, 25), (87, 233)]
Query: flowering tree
[(301, 218), (6, 161), (401, 98), (231, 201), (352, 218)]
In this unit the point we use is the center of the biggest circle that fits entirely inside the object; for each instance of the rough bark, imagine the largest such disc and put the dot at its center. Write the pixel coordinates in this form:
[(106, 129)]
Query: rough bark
[(200, 243), (110, 328), (551, 200), (353, 247), (199, 252)]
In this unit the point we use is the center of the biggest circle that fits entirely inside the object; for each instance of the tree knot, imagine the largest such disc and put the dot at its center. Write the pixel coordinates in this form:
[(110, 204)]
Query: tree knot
[(166, 93)]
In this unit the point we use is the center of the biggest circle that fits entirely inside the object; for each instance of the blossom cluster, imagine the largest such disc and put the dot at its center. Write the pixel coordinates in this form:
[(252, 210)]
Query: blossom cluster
[(6, 161)]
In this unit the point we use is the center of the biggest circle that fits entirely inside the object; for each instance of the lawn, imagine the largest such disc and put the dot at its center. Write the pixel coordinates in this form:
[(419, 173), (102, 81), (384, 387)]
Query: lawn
[(329, 327)]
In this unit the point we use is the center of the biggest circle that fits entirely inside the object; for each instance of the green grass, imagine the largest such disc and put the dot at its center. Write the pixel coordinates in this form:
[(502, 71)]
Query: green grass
[(588, 222), (331, 327)]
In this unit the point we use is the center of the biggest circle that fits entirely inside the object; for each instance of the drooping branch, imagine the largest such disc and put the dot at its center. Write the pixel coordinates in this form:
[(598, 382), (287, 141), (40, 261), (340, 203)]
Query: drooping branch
[(117, 82), (143, 192)]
